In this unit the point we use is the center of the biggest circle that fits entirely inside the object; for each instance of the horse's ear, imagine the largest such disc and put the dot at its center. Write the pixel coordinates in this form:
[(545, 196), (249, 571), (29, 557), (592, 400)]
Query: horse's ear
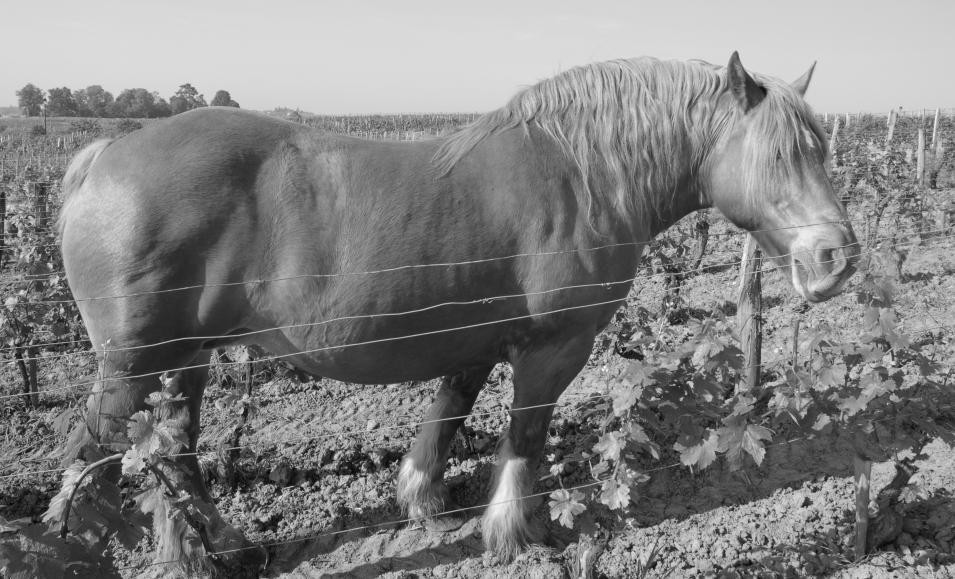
[(748, 94), (802, 83)]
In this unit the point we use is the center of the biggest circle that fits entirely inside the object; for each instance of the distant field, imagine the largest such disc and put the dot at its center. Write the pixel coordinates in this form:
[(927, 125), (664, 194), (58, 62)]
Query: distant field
[(60, 124), (399, 127)]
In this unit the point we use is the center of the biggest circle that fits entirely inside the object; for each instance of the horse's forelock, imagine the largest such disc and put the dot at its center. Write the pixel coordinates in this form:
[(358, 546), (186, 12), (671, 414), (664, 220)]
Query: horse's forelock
[(783, 135)]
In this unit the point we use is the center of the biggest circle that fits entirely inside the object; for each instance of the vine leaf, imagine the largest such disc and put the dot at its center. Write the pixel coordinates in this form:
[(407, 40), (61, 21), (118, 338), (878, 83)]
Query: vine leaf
[(738, 437), (615, 494), (707, 349), (564, 506), (638, 373), (852, 405), (831, 376), (611, 445), (624, 396), (133, 462), (702, 454), (150, 436), (71, 477), (822, 421)]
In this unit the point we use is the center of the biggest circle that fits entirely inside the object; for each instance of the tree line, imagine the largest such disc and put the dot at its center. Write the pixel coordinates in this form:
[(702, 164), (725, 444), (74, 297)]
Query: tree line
[(94, 101)]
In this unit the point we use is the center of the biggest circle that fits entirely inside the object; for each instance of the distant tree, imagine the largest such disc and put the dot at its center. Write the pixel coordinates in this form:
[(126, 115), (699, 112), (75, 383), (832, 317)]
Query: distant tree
[(82, 106), (161, 108), (93, 101), (223, 99), (138, 103), (60, 103), (186, 99), (30, 99)]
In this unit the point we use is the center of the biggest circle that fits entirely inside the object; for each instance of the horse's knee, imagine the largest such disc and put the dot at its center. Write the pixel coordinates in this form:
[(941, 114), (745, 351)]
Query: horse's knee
[(506, 527)]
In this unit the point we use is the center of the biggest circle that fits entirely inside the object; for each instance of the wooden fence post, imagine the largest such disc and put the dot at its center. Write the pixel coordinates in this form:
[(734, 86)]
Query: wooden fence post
[(892, 118), (703, 236), (795, 358), (749, 314), (832, 140), (863, 474), (3, 221), (920, 160), (41, 209), (935, 128)]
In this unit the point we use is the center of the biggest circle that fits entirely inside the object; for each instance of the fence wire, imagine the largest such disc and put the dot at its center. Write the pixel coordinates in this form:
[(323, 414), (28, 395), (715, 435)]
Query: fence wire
[(935, 235), (784, 359), (278, 357)]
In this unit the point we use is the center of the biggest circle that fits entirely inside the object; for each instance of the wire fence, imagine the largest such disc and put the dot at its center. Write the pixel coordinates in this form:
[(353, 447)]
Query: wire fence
[(106, 349), (944, 235), (359, 432), (929, 234)]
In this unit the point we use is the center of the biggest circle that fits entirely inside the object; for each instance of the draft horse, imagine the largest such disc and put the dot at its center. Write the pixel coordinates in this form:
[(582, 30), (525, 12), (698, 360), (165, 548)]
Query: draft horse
[(376, 262)]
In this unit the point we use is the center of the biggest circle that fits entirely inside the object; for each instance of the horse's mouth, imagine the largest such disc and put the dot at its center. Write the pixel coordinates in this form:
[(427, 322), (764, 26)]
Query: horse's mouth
[(819, 289)]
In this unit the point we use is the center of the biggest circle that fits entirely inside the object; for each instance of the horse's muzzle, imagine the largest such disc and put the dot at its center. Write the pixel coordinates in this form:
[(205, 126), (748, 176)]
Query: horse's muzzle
[(820, 272)]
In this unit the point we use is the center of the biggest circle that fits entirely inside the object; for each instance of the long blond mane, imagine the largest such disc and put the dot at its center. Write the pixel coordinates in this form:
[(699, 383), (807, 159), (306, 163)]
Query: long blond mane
[(640, 129)]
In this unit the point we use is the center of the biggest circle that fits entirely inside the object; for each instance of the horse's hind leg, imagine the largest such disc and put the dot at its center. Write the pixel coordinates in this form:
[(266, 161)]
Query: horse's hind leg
[(421, 489), (127, 375), (540, 376), (175, 537), (121, 393)]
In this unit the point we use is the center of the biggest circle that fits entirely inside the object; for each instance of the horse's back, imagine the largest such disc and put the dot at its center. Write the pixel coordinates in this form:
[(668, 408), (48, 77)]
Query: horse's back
[(214, 198)]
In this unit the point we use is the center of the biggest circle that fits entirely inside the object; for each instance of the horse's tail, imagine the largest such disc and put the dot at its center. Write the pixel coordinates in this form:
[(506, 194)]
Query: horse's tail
[(77, 171)]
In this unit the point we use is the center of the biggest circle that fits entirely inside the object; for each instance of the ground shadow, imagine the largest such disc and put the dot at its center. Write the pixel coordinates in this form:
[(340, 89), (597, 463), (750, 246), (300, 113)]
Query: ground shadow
[(399, 548), (672, 494), (381, 540)]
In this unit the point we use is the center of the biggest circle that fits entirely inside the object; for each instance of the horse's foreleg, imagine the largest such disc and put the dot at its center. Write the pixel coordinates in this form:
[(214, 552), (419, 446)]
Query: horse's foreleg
[(540, 376), (421, 489)]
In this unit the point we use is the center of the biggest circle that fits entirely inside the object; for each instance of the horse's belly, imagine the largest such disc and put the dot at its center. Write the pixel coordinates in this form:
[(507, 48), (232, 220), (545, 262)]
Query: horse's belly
[(388, 353)]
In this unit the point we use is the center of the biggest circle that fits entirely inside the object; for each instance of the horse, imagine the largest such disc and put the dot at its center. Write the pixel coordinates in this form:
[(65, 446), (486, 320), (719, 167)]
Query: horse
[(511, 240)]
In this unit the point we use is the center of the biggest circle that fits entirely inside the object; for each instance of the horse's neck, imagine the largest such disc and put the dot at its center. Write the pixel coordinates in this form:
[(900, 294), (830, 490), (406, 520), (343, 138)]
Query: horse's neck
[(671, 207), (656, 216)]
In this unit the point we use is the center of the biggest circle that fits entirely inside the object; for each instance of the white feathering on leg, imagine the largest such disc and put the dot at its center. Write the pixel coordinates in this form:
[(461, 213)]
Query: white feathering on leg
[(416, 492), (505, 528)]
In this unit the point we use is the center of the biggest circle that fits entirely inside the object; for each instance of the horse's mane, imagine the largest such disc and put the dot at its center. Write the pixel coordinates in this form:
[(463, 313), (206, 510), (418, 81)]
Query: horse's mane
[(637, 128)]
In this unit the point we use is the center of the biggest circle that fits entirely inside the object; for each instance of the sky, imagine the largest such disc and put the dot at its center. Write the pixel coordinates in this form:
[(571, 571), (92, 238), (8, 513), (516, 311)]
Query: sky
[(405, 56)]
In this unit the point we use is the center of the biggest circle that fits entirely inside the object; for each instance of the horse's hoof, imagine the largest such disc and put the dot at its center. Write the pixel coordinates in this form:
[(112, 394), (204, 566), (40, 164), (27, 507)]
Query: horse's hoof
[(452, 520), (444, 523)]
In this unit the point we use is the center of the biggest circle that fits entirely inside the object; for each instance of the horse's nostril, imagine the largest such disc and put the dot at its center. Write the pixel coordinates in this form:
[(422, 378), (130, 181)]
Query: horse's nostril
[(837, 260), (825, 257)]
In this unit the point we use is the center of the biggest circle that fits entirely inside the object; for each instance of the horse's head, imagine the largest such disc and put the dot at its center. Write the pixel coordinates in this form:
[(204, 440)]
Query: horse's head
[(767, 173)]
